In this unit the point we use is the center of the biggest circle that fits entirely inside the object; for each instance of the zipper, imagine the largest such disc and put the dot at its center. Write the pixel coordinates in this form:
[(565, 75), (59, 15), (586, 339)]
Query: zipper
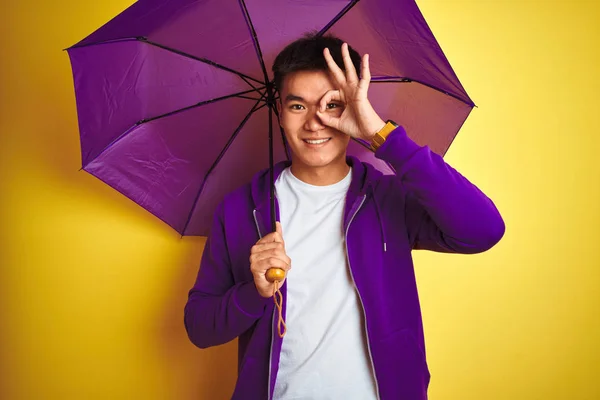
[(256, 222), (360, 298), (272, 324)]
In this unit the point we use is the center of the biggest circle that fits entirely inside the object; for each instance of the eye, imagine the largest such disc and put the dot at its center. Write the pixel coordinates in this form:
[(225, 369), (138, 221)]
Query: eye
[(296, 107), (331, 106)]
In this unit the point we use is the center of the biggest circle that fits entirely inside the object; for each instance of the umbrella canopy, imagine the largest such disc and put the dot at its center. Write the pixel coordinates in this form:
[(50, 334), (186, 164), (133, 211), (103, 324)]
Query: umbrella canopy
[(175, 98)]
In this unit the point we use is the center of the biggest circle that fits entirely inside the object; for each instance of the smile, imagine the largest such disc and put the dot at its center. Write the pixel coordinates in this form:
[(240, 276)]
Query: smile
[(316, 141)]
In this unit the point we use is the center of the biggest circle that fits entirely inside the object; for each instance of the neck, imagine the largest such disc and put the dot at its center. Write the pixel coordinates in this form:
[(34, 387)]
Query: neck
[(321, 176)]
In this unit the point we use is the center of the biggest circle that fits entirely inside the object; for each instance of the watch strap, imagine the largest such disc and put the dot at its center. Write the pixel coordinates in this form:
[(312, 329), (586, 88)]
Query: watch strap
[(381, 136)]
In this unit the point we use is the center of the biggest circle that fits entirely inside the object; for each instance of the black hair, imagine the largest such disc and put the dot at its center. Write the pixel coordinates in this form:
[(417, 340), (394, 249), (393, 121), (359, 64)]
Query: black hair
[(306, 54)]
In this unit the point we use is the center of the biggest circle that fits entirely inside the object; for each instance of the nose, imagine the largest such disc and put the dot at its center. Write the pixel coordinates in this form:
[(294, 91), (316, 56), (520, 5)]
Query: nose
[(313, 123)]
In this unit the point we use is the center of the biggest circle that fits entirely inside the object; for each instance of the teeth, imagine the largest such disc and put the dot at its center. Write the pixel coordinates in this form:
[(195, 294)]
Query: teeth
[(316, 141)]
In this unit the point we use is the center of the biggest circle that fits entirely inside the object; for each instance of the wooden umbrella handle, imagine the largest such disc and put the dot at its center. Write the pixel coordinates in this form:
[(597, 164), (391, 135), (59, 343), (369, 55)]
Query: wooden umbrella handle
[(275, 274)]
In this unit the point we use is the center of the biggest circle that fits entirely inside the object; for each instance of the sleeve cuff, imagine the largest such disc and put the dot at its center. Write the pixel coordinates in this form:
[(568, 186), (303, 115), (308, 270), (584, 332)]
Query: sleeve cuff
[(398, 148)]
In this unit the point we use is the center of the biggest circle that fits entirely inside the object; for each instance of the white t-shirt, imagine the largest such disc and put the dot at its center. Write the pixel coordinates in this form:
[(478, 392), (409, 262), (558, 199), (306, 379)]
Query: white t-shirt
[(324, 353)]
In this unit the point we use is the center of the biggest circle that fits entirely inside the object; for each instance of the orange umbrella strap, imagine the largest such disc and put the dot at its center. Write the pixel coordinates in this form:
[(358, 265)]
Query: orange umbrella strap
[(278, 298)]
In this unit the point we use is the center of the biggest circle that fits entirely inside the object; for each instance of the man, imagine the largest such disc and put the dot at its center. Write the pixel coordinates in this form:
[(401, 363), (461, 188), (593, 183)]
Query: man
[(354, 328)]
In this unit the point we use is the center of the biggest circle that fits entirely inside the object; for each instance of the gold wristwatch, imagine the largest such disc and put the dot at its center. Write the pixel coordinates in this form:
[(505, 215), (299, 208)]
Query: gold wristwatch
[(380, 136)]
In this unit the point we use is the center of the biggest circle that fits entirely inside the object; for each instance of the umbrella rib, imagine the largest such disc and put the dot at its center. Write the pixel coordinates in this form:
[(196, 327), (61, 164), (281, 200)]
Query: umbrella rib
[(401, 79), (254, 39), (202, 103), (214, 165), (144, 121), (144, 39), (337, 17), (261, 106), (107, 41), (248, 82), (201, 59), (248, 97)]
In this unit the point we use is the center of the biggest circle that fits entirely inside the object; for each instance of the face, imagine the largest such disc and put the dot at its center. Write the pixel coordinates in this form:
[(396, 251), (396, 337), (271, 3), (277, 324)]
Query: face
[(313, 144)]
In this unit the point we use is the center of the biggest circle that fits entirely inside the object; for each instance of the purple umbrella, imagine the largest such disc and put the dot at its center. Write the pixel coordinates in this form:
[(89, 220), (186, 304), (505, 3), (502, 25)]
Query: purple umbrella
[(175, 98)]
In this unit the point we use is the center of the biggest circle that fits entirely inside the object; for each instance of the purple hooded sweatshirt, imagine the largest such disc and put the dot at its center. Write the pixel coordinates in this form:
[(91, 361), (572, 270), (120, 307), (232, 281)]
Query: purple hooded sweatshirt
[(425, 205)]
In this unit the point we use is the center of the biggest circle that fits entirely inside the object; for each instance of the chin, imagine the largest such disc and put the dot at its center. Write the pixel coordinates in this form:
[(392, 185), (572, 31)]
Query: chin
[(320, 161)]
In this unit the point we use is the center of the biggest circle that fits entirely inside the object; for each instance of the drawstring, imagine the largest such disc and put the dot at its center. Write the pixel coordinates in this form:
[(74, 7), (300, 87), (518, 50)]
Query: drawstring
[(278, 298), (380, 222)]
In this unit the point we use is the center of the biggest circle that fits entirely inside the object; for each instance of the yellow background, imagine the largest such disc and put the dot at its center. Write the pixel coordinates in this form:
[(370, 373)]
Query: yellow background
[(92, 287)]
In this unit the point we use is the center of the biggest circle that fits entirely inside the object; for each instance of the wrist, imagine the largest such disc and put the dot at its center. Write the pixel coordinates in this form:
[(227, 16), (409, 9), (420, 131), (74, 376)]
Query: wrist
[(373, 128), (381, 135)]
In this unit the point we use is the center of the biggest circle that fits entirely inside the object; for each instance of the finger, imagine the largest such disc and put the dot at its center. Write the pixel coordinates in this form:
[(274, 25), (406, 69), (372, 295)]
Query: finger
[(271, 237), (285, 260), (258, 248), (365, 74), (265, 252), (351, 76), (336, 71), (263, 265), (328, 97), (273, 253), (286, 263), (266, 239), (329, 120), (278, 234)]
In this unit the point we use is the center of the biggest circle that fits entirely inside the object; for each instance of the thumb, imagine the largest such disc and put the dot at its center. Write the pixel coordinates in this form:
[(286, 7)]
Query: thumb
[(278, 228)]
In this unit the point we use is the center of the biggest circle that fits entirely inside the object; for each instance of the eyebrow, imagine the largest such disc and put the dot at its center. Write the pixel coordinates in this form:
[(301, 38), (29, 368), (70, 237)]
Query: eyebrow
[(293, 97)]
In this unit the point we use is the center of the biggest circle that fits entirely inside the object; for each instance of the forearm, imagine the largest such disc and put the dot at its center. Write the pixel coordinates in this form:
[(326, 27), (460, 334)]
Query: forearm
[(468, 220), (212, 320)]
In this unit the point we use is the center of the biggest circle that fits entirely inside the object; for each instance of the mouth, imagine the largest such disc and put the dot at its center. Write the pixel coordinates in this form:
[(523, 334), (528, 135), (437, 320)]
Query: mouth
[(316, 142)]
